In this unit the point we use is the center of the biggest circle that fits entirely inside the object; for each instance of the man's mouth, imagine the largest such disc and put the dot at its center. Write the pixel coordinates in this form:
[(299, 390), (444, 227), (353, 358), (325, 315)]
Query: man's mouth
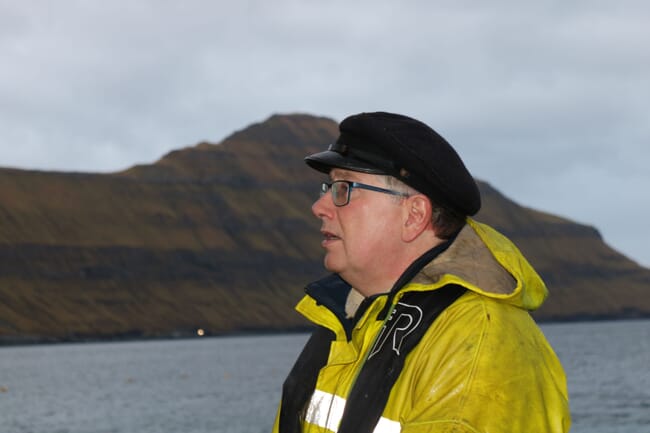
[(329, 236)]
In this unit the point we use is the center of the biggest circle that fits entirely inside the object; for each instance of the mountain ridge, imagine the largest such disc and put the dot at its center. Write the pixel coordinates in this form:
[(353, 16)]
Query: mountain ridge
[(219, 236)]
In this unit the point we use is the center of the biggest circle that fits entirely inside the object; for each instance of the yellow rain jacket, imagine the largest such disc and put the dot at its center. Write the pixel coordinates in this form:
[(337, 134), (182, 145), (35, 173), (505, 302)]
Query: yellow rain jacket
[(483, 366)]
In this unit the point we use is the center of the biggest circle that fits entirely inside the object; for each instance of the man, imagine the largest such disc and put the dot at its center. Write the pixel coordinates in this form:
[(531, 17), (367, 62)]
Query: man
[(423, 325)]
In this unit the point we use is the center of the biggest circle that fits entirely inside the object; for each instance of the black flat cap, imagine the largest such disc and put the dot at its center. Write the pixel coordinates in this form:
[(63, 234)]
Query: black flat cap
[(407, 149)]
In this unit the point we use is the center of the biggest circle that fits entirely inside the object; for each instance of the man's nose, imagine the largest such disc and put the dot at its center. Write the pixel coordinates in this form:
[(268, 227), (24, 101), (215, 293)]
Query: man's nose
[(323, 207)]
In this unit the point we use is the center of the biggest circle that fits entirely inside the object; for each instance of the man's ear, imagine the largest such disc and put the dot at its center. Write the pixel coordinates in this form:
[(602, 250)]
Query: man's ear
[(417, 216)]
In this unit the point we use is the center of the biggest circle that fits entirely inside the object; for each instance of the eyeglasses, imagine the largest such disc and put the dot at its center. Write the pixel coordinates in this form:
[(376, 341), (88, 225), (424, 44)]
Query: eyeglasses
[(341, 190)]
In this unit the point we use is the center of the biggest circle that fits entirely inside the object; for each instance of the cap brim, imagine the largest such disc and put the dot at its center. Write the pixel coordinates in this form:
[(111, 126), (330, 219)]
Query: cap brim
[(327, 160)]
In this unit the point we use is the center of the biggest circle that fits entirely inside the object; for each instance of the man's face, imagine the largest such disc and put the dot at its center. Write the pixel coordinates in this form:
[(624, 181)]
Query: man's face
[(361, 238)]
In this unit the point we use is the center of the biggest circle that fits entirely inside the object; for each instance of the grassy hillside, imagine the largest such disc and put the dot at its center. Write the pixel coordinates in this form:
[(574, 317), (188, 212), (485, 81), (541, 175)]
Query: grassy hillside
[(220, 237)]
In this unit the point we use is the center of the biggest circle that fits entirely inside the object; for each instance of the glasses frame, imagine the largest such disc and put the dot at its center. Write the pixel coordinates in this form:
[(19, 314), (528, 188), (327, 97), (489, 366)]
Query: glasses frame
[(327, 186)]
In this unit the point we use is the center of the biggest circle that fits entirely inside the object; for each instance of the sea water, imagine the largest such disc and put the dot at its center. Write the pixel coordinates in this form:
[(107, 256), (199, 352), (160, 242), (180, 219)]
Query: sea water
[(232, 384)]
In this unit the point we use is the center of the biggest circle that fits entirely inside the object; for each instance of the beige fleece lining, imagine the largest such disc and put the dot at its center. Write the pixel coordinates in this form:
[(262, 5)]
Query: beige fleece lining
[(352, 303), (469, 258)]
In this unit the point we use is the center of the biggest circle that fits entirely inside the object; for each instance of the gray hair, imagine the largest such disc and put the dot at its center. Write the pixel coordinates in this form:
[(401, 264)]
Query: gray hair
[(445, 221)]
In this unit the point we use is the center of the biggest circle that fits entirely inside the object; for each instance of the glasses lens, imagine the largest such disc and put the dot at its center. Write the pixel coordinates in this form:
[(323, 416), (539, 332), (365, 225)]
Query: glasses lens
[(340, 193)]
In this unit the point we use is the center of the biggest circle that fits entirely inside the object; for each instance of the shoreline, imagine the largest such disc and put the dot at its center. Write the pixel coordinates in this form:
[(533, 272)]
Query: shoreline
[(31, 340)]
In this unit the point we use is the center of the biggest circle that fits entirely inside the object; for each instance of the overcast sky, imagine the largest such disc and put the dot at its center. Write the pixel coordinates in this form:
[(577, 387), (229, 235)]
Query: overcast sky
[(549, 101)]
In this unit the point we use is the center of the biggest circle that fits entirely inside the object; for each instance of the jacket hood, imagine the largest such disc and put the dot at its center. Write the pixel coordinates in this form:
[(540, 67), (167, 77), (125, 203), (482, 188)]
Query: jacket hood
[(488, 263)]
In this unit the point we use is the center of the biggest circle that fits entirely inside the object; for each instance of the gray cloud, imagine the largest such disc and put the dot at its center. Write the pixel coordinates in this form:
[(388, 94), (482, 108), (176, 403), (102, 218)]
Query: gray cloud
[(546, 101)]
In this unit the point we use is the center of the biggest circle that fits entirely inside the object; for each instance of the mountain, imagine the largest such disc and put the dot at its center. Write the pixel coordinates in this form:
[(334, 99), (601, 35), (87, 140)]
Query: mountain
[(220, 237)]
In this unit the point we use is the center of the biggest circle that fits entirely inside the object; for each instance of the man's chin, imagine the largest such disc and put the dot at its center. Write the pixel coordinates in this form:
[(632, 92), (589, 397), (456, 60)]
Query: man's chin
[(331, 265)]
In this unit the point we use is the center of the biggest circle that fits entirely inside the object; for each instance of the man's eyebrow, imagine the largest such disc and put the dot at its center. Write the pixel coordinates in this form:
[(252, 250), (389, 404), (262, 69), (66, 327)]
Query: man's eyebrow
[(343, 175), (333, 173)]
